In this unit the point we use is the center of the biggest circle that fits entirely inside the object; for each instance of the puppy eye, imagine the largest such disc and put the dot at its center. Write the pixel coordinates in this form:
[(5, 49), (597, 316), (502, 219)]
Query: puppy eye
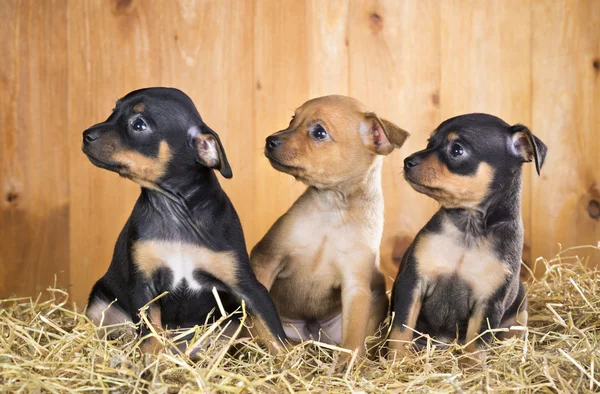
[(318, 132), (139, 125), (456, 150)]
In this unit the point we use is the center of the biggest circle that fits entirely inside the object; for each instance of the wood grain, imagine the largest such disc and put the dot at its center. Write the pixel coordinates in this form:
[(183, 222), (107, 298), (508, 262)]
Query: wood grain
[(104, 64), (34, 186), (566, 116), (404, 89), (247, 65), (281, 85), (486, 67)]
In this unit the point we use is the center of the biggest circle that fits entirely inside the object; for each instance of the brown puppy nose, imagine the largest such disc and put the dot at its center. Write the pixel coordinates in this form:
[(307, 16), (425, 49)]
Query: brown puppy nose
[(91, 135), (273, 142), (410, 162)]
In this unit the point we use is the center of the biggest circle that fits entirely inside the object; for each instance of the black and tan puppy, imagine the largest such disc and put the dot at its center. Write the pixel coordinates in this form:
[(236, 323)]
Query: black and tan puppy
[(183, 236), (320, 260), (460, 276)]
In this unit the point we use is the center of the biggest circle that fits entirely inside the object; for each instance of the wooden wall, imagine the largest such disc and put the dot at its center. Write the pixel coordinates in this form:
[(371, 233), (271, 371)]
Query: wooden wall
[(247, 64)]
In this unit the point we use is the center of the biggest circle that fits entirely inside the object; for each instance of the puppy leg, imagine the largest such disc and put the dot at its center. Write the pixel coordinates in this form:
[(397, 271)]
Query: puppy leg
[(485, 315), (104, 311), (265, 322), (516, 315), (357, 299), (152, 344), (406, 306), (379, 311), (266, 268), (141, 295), (266, 257)]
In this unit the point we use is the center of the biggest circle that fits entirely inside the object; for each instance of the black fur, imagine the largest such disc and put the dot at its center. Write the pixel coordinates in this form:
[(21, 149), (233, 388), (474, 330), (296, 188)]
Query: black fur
[(187, 204), (448, 303)]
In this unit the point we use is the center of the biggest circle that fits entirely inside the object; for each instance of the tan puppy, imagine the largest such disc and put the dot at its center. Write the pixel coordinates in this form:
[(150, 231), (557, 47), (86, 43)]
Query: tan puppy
[(320, 260)]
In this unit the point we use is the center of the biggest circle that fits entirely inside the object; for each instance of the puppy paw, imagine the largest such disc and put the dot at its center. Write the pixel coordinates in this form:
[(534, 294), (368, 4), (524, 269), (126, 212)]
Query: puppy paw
[(474, 361), (344, 362), (152, 346), (397, 352)]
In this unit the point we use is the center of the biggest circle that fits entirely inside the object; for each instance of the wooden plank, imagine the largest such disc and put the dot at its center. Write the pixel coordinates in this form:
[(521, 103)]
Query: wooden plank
[(208, 52), (33, 147), (486, 67), (113, 49), (204, 50), (327, 52), (394, 69), (281, 85), (566, 116)]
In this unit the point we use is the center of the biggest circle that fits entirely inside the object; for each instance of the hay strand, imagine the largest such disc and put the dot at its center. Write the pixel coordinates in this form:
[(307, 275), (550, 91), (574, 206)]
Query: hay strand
[(48, 346)]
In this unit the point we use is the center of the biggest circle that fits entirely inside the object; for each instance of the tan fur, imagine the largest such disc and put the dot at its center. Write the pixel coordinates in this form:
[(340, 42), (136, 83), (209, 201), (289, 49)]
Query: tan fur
[(143, 168), (434, 179), (477, 265), (343, 158), (401, 335), (151, 255), (139, 107), (151, 345), (259, 329), (452, 136), (321, 258), (155, 318), (473, 327), (102, 315), (520, 319)]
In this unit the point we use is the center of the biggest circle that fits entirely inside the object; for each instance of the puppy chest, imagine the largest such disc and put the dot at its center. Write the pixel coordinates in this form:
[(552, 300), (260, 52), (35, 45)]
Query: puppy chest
[(186, 263), (310, 298), (444, 255)]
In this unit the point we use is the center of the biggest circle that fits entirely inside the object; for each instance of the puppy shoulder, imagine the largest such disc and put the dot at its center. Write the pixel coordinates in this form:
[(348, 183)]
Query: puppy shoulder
[(275, 241)]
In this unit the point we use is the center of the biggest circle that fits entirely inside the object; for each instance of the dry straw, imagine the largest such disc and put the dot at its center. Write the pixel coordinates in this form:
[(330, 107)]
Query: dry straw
[(49, 347)]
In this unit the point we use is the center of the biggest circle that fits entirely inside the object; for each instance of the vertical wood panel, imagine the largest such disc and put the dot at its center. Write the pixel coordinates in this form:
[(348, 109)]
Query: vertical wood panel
[(327, 55), (33, 146), (202, 48), (281, 85), (247, 65), (387, 76), (207, 48), (566, 116), (113, 49), (486, 67)]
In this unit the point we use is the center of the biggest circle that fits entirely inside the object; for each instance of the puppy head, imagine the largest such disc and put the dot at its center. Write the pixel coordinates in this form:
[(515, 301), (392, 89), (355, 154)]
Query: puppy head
[(155, 134), (332, 140), (470, 158)]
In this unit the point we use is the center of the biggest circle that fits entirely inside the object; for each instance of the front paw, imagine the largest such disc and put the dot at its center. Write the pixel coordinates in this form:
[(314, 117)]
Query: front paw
[(397, 350), (346, 361), (473, 360), (151, 345)]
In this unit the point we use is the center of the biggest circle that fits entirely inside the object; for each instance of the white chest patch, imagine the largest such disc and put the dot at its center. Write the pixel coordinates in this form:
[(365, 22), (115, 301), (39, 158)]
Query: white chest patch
[(183, 260), (444, 254), (181, 265)]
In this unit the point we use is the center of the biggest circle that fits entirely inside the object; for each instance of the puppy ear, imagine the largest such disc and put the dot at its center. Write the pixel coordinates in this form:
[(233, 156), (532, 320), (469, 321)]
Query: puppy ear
[(209, 150), (380, 135), (527, 146)]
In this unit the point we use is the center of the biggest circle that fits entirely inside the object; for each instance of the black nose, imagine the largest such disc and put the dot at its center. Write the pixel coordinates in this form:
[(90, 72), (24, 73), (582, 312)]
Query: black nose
[(410, 162), (90, 135), (273, 142)]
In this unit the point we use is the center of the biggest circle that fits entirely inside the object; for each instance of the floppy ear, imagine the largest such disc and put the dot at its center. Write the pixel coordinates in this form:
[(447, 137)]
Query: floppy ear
[(209, 150), (527, 146), (380, 135)]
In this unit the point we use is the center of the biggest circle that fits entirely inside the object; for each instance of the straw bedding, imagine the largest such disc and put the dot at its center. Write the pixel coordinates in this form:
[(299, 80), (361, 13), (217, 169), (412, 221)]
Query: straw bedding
[(49, 347)]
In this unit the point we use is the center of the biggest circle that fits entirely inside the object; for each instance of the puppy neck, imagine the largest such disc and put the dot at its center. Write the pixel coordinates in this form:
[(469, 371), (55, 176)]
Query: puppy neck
[(186, 190), (365, 187), (502, 205)]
